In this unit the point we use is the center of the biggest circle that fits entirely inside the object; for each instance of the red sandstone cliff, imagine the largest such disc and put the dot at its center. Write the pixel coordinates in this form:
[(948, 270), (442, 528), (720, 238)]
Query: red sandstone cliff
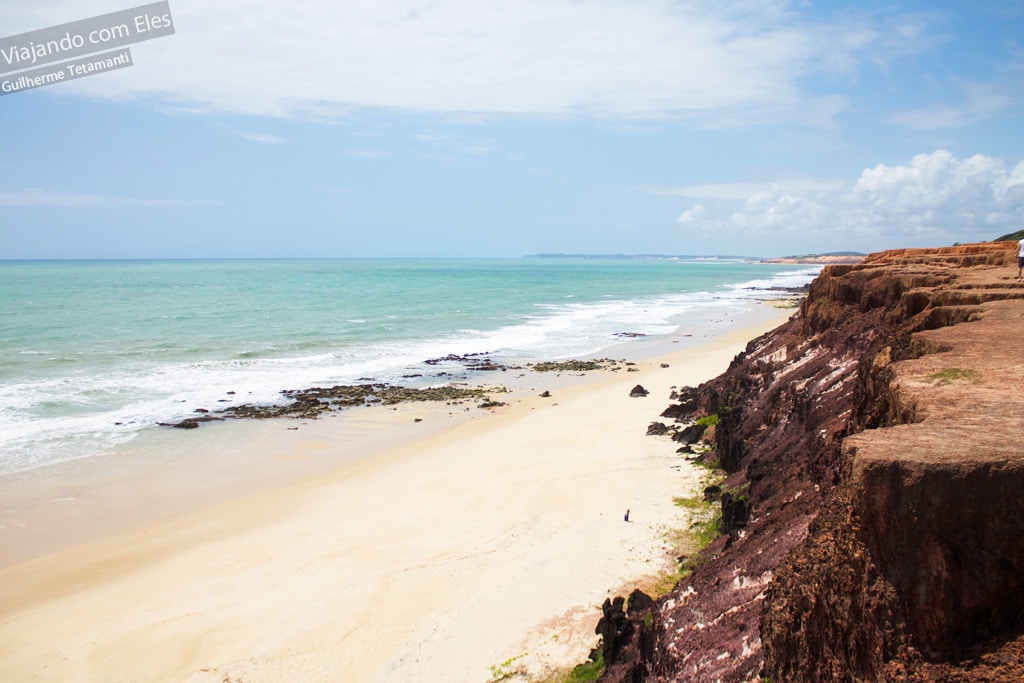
[(875, 440)]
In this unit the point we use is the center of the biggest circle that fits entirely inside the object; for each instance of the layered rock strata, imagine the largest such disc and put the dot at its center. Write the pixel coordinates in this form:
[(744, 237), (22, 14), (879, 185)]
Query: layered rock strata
[(875, 501)]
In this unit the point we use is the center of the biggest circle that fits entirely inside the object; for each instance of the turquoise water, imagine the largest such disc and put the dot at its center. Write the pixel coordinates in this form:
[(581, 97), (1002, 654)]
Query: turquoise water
[(92, 352)]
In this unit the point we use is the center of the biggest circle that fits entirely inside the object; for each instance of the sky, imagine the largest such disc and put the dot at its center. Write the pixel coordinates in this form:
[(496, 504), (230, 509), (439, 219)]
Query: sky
[(487, 128)]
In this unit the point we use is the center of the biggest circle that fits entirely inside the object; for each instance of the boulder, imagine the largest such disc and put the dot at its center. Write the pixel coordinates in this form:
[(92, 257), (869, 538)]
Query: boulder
[(657, 429), (690, 435), (614, 628)]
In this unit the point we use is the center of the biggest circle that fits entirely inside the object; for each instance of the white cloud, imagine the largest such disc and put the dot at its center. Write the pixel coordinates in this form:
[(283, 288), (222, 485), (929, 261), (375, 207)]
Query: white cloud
[(42, 197), (935, 199), (261, 137), (691, 60), (691, 215)]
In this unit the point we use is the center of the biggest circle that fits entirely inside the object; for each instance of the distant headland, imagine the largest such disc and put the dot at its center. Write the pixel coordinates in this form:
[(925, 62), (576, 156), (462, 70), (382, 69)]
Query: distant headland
[(830, 258), (646, 257)]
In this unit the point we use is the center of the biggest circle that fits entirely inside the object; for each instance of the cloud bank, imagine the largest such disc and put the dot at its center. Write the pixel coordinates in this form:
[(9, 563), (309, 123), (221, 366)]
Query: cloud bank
[(935, 199), (705, 63)]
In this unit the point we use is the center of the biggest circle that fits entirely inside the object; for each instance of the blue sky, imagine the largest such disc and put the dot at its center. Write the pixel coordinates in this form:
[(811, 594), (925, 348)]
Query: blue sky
[(368, 128)]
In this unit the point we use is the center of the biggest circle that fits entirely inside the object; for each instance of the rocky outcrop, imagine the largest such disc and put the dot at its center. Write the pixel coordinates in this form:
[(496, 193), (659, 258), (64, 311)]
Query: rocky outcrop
[(309, 404), (626, 631), (874, 439)]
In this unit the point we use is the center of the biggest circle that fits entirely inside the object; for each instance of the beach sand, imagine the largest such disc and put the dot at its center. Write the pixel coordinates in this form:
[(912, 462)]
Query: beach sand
[(464, 541)]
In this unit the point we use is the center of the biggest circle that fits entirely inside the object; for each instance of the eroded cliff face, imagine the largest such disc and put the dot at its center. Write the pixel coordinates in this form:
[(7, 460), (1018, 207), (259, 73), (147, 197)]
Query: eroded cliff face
[(874, 442), (915, 567)]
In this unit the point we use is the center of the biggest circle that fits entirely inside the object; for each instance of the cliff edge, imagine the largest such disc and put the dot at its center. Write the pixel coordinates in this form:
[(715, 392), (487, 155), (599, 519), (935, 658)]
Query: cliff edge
[(875, 506)]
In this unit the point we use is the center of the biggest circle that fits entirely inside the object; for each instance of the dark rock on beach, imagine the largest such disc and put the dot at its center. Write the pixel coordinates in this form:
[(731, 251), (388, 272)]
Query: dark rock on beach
[(688, 404), (491, 404), (657, 429), (690, 435), (471, 361), (191, 422), (627, 637), (575, 365), (316, 401), (614, 628), (638, 392)]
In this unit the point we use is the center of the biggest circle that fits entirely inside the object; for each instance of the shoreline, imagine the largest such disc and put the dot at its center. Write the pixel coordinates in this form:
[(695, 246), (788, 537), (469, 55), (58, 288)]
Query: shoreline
[(254, 455), (90, 393), (421, 522)]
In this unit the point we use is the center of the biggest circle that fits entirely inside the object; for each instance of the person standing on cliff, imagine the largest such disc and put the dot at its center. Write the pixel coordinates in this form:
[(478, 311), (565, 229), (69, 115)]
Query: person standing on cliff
[(1020, 259)]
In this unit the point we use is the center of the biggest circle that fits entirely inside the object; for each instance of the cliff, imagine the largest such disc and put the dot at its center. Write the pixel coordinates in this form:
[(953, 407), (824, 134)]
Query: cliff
[(873, 531)]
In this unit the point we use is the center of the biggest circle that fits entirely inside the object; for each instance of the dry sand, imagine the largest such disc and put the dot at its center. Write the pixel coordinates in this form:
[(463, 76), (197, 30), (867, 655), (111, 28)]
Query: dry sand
[(434, 560)]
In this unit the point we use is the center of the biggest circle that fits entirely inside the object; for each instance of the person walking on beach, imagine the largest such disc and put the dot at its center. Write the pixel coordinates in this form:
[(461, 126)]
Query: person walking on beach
[(626, 518)]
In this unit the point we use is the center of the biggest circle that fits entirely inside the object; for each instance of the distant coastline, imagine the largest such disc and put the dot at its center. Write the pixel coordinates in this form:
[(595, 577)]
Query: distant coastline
[(830, 258), (646, 257)]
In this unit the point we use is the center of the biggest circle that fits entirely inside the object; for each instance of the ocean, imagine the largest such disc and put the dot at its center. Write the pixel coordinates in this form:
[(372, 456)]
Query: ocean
[(92, 353)]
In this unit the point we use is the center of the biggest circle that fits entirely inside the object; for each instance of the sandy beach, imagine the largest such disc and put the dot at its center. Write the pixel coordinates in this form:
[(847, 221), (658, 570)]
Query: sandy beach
[(457, 543)]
